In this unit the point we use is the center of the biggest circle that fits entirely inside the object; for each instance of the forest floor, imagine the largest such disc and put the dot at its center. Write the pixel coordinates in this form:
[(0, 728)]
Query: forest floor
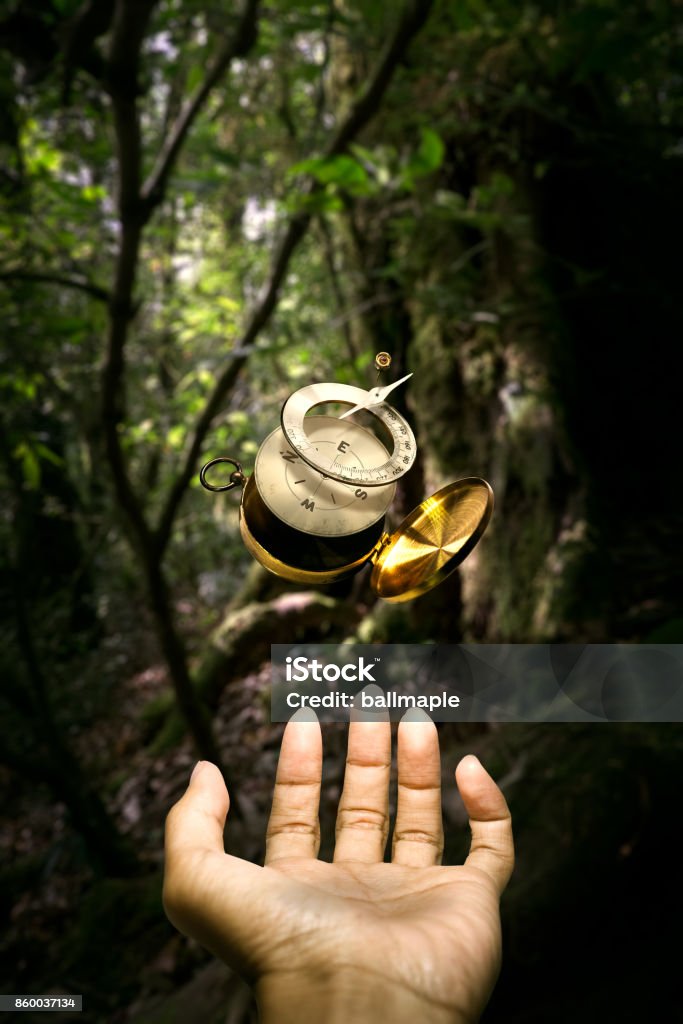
[(68, 931)]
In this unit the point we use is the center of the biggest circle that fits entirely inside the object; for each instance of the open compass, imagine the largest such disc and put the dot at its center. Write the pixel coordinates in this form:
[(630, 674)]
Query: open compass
[(314, 509)]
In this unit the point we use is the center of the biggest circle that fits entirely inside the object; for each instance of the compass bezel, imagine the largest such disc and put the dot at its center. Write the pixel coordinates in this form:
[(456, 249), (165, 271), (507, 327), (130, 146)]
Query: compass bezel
[(301, 402)]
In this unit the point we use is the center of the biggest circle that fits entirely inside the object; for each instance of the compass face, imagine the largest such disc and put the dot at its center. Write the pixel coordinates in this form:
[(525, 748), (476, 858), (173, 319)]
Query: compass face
[(378, 469), (313, 502)]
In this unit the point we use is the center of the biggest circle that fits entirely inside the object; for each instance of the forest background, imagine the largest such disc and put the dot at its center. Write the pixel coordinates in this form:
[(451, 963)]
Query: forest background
[(206, 206)]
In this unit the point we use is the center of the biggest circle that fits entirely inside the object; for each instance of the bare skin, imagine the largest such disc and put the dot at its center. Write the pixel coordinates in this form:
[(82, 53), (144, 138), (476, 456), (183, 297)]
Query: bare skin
[(357, 939)]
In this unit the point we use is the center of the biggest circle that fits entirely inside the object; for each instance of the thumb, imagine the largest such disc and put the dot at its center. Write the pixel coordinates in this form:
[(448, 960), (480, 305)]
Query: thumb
[(205, 895), (492, 848), (197, 821), (194, 826)]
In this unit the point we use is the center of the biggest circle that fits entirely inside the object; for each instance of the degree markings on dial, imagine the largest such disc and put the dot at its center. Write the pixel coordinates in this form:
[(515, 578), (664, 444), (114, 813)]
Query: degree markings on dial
[(395, 464), (309, 502)]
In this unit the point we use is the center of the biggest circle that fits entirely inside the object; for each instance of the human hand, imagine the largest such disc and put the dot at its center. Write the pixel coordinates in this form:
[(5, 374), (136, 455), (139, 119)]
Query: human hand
[(357, 939)]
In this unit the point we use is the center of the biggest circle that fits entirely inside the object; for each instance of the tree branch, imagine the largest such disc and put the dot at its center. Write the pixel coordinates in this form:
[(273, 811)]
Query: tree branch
[(259, 318), (130, 22), (136, 204), (237, 46), (413, 17), (123, 68), (342, 320), (46, 277)]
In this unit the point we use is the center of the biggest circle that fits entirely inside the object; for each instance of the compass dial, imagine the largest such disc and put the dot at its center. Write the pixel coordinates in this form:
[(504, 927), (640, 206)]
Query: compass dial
[(317, 502), (376, 469)]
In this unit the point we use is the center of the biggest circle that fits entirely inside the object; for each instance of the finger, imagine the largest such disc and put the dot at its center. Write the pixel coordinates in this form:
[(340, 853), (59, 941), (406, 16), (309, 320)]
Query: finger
[(294, 828), (363, 815), (492, 848), (418, 834)]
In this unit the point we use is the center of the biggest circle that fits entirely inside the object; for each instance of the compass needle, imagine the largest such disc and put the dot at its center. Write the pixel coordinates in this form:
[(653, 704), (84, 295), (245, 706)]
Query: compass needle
[(375, 396), (371, 472)]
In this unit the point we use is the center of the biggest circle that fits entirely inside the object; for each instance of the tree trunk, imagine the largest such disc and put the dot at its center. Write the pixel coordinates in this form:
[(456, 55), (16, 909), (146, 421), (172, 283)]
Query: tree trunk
[(189, 701), (108, 851)]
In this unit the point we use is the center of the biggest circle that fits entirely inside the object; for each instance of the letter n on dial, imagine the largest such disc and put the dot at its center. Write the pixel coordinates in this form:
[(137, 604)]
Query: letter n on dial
[(308, 500)]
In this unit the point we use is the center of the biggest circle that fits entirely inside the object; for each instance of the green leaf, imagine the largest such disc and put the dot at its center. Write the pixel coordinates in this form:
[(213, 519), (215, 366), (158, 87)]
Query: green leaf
[(30, 465), (176, 436), (363, 154), (342, 171), (502, 183), (427, 159), (195, 76), (91, 193), (46, 453), (316, 202), (431, 151)]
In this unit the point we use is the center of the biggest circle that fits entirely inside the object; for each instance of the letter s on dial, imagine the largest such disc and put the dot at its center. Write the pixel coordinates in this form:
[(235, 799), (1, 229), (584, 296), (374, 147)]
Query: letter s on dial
[(311, 502)]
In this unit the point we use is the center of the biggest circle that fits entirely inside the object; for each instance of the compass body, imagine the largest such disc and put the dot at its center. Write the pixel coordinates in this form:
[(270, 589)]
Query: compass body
[(303, 524), (314, 509)]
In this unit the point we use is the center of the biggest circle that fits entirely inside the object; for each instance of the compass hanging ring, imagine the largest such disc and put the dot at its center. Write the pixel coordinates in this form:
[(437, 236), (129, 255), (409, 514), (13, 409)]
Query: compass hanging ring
[(237, 477)]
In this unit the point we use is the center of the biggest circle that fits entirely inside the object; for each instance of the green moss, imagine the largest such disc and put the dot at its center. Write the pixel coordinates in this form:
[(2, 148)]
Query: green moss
[(170, 733), (157, 708)]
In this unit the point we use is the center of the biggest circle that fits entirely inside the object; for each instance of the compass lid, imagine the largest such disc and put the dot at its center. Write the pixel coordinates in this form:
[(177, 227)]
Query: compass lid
[(432, 540)]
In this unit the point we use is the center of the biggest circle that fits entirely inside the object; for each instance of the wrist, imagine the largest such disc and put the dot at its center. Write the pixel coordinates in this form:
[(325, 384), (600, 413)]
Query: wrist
[(363, 997)]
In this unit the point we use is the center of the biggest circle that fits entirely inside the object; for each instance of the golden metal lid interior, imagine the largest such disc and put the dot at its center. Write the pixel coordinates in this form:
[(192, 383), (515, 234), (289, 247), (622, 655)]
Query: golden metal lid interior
[(432, 540)]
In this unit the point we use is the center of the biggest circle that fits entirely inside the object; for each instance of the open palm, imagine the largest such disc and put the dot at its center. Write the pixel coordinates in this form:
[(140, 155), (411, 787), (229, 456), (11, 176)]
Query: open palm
[(357, 938)]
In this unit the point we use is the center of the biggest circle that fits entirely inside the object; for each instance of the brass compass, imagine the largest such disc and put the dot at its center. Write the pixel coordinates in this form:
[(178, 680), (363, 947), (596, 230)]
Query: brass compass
[(314, 509)]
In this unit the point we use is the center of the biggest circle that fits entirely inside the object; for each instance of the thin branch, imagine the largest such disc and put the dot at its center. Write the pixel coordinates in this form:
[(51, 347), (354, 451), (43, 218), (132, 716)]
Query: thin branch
[(337, 290), (136, 204), (130, 22), (413, 17), (358, 310), (259, 318), (237, 46), (46, 277)]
